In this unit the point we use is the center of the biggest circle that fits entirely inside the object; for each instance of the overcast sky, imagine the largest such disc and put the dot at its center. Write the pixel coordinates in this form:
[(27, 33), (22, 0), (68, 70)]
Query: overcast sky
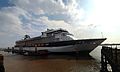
[(83, 18)]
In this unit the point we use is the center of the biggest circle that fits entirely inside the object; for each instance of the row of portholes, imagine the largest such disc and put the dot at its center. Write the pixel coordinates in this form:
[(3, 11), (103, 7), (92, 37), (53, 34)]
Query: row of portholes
[(85, 42), (42, 44), (36, 45)]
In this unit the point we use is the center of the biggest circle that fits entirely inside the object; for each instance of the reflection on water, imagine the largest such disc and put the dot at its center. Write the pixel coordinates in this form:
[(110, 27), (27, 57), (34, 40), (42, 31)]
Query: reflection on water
[(51, 63)]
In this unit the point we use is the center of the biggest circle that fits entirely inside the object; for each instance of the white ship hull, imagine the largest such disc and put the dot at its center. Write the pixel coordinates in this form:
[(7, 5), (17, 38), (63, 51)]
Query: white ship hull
[(73, 48)]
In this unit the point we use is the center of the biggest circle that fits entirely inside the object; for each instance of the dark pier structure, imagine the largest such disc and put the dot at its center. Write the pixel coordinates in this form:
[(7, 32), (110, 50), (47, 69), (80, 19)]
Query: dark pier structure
[(1, 64), (110, 57)]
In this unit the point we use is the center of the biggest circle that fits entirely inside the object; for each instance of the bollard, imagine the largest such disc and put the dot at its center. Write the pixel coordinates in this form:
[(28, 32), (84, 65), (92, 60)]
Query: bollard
[(1, 64)]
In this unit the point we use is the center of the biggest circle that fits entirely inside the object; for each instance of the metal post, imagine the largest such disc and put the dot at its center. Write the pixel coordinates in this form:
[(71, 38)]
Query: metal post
[(116, 58), (106, 70), (8, 50), (35, 48), (102, 60), (13, 50)]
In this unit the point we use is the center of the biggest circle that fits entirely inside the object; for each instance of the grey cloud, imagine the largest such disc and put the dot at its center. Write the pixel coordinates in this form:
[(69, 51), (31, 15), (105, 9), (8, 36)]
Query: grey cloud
[(71, 11), (25, 15)]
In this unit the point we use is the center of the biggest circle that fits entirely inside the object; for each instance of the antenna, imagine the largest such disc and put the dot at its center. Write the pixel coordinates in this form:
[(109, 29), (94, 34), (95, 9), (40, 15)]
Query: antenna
[(102, 34)]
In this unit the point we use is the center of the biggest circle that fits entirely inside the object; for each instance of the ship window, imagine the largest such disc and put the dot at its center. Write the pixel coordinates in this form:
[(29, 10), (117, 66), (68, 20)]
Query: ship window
[(42, 44), (88, 42), (42, 33), (49, 34), (32, 44), (94, 42), (80, 42), (52, 34), (38, 44), (83, 42), (63, 34), (35, 45), (46, 44)]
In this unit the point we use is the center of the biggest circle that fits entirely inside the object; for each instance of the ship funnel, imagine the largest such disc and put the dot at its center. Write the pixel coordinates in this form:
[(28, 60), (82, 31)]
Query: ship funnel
[(26, 37)]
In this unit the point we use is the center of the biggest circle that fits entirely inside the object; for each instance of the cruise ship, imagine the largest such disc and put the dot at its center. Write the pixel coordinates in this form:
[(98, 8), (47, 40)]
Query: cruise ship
[(57, 40)]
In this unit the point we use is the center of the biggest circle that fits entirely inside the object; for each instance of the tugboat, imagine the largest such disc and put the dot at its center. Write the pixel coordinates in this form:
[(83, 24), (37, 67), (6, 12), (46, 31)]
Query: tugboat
[(57, 40)]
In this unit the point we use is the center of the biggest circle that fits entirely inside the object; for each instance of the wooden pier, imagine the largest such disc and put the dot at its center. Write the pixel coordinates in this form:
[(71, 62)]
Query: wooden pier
[(110, 57)]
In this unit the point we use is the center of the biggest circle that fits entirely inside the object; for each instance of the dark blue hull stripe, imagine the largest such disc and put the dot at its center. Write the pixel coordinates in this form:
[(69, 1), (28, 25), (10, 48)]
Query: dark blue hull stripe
[(61, 43)]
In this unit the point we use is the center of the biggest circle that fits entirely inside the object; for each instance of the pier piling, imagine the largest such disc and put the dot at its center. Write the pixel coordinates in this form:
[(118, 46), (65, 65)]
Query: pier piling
[(1, 64)]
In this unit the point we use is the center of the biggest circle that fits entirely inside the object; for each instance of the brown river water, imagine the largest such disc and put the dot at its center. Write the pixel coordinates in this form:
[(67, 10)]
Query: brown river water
[(51, 63)]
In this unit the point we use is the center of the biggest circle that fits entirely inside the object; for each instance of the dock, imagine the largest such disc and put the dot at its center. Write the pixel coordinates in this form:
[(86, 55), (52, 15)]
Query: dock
[(25, 52), (110, 57), (42, 52)]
